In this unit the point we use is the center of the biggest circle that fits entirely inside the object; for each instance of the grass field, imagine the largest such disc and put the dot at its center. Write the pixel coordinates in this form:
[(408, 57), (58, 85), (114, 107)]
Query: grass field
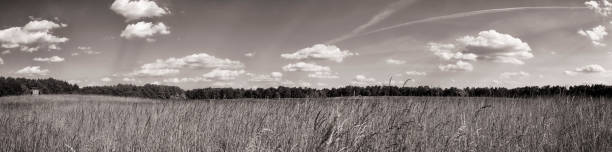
[(101, 123)]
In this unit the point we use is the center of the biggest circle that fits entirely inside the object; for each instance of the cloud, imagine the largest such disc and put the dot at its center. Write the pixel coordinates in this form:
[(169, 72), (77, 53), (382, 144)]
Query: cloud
[(514, 75), (450, 52), (378, 17), (300, 83), (106, 79), (457, 67), (49, 59), (33, 70), (221, 74), (144, 30), (250, 54), (272, 77), (602, 7), (361, 80), (173, 65), (394, 61), (185, 80), (306, 67), (85, 50), (320, 51), (126, 79), (587, 69), (596, 35), (416, 73), (323, 75), (32, 36), (137, 9), (497, 47), (5, 52), (1, 61)]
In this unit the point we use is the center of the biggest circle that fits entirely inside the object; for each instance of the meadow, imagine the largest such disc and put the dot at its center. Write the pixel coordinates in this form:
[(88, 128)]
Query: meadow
[(104, 123)]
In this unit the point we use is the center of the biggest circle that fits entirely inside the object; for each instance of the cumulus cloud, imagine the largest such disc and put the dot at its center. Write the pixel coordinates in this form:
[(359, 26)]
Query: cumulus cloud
[(33, 70), (321, 52), (222, 74), (300, 83), (32, 36), (596, 35), (513, 75), (127, 79), (106, 79), (145, 30), (49, 59), (497, 47), (487, 46), (450, 52), (587, 69), (323, 75), (85, 50), (602, 7), (361, 80), (415, 73), (272, 77), (457, 67), (250, 54), (173, 65), (137, 9), (394, 61), (306, 67), (185, 80)]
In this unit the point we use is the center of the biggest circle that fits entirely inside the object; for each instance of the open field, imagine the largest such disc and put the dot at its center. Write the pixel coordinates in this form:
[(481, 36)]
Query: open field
[(101, 123)]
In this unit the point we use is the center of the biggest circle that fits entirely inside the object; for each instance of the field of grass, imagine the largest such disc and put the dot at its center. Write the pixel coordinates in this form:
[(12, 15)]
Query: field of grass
[(101, 123)]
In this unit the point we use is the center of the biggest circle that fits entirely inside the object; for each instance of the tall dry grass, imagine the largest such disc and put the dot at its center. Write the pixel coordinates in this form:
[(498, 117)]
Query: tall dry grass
[(99, 123)]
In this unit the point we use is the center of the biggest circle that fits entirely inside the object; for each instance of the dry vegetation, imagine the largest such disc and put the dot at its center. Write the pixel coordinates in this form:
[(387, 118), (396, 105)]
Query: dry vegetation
[(100, 123)]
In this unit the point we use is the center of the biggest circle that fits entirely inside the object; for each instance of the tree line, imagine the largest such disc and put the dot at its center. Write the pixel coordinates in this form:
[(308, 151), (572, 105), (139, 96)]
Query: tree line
[(19, 86)]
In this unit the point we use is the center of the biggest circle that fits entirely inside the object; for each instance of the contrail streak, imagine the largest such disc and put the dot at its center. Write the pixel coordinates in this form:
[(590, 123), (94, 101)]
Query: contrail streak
[(380, 16), (457, 15)]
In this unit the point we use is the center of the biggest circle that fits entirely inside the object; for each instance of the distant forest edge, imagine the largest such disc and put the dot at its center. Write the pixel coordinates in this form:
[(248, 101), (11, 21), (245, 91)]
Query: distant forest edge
[(20, 86)]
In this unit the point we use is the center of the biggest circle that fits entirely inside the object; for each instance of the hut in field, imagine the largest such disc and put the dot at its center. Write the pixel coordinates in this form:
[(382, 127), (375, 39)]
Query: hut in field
[(35, 92)]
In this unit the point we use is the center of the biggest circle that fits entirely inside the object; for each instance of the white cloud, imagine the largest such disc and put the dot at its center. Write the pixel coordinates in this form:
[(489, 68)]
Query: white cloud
[(416, 73), (32, 36), (459, 66), (137, 9), (320, 51), (300, 83), (514, 75), (144, 30), (596, 35), (602, 7), (587, 69), (126, 79), (497, 47), (323, 75), (49, 59), (6, 52), (33, 70), (307, 67), (106, 79), (185, 80), (449, 52), (250, 54), (1, 61), (272, 77), (221, 74), (172, 65), (394, 61), (361, 80)]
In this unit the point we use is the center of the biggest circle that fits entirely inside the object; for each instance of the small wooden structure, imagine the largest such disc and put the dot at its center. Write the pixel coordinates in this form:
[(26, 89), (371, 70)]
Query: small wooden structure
[(35, 92)]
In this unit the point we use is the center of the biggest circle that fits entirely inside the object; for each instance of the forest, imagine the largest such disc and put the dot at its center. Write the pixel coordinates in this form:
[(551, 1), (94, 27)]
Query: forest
[(20, 86)]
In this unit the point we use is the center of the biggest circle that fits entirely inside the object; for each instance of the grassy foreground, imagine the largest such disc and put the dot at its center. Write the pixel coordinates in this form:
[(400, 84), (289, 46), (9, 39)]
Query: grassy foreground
[(100, 123)]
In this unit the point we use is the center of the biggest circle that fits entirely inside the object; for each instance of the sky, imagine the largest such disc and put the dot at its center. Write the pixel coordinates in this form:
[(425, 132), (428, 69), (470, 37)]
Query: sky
[(308, 43)]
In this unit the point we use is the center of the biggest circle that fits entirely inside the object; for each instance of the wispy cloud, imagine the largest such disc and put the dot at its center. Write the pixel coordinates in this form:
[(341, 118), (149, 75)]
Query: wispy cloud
[(380, 16)]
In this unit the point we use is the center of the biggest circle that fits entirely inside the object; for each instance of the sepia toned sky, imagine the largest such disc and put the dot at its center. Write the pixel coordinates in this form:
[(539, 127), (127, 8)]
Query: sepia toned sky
[(314, 43)]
